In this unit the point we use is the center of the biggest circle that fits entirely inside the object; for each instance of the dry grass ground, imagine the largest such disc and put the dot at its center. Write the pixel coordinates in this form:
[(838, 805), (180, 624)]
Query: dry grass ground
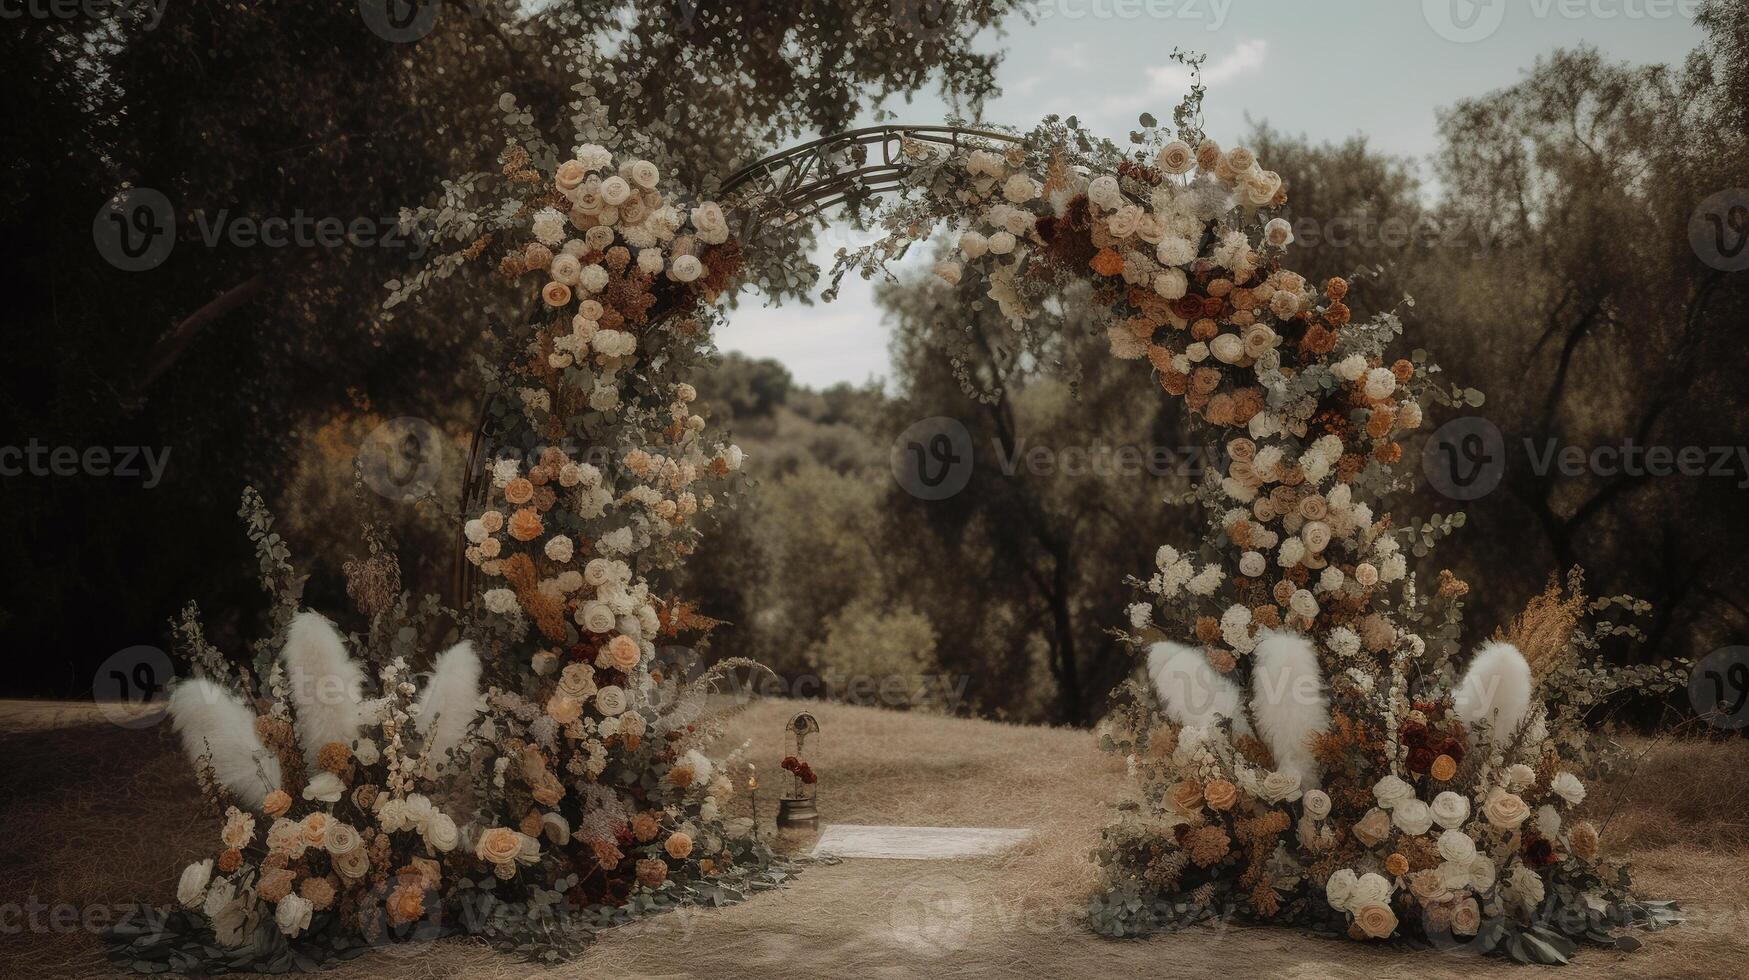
[(95, 817)]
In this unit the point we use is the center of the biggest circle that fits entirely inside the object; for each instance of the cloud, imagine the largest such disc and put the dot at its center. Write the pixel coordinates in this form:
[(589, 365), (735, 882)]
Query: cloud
[(1168, 83), (1073, 56)]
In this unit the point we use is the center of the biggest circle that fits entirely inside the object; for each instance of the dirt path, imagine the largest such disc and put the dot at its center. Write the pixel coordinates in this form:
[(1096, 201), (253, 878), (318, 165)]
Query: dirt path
[(102, 818)]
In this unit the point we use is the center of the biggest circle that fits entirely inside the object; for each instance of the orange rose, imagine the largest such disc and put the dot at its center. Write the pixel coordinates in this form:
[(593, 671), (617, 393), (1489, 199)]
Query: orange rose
[(1444, 767), (1336, 288), (570, 175), (519, 491), (645, 828), (1376, 921), (275, 884), (315, 825), (1397, 865), (678, 846), (230, 859), (525, 525), (1221, 794), (276, 803), (406, 903)]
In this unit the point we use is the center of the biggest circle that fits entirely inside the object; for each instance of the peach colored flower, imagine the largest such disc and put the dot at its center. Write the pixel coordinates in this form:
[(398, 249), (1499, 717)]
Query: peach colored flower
[(1397, 865), (519, 491), (1444, 767), (1372, 829), (1221, 795), (406, 903), (678, 846), (275, 884), (1185, 796), (623, 651), (556, 293), (525, 524), (319, 892), (276, 803), (1376, 921), (499, 845)]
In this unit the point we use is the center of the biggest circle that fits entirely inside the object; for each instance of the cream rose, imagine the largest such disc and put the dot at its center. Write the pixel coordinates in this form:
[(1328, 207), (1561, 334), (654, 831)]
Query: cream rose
[(292, 915), (1176, 157), (191, 890), (1280, 787), (499, 845), (611, 700), (1316, 804), (1450, 810), (1466, 918), (1456, 846), (341, 838), (1568, 787), (1371, 889), (1390, 791), (1505, 810), (1340, 888), (1412, 817), (353, 864), (441, 833)]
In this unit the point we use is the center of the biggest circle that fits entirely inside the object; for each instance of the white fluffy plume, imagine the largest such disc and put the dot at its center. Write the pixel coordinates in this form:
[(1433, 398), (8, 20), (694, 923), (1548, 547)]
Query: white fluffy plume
[(326, 686), (1288, 702), (215, 723), (1495, 692), (1192, 692), (451, 700)]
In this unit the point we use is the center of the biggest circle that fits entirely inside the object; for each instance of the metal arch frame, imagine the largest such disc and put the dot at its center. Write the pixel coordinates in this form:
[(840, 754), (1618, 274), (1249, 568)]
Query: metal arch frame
[(788, 186), (803, 180)]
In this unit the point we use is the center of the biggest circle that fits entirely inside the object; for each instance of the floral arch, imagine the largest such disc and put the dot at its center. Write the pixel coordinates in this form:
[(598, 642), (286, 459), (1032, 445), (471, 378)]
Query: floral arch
[(1304, 750)]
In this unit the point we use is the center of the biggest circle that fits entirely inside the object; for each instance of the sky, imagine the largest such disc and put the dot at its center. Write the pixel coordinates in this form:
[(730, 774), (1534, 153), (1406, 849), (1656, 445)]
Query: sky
[(1325, 69)]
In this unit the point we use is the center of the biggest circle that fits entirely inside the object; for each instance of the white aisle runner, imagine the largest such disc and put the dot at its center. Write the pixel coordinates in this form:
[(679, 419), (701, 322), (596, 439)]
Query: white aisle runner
[(915, 843)]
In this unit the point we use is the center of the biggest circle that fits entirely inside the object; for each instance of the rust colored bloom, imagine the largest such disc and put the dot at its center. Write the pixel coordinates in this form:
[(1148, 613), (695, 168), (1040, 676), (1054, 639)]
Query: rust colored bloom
[(1222, 660), (1389, 452), (1337, 315), (680, 776), (275, 884), (1208, 629), (1397, 865), (334, 757), (645, 828), (525, 524), (1582, 839), (1220, 794), (1207, 845), (1336, 288), (652, 872), (406, 903), (1107, 262), (318, 892), (1444, 767), (1402, 370), (230, 859)]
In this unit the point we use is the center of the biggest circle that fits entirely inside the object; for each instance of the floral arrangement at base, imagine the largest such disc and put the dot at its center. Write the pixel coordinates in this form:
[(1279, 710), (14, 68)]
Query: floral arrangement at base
[(549, 777)]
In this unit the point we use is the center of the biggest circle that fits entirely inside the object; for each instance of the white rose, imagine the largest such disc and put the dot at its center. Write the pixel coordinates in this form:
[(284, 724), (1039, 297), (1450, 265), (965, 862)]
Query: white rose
[(1280, 787), (1568, 787), (1371, 889), (1339, 890), (191, 890), (1019, 188), (292, 914), (610, 700), (1380, 382), (686, 268), (1456, 846), (1519, 777), (1412, 817), (1252, 564), (441, 833), (1548, 821), (615, 191), (1389, 791), (644, 173), (1279, 233), (593, 278), (549, 226), (340, 838), (1105, 192), (1174, 250), (1482, 872), (325, 787), (1525, 886), (1171, 284), (1002, 243), (1454, 875), (1317, 804), (1450, 810)]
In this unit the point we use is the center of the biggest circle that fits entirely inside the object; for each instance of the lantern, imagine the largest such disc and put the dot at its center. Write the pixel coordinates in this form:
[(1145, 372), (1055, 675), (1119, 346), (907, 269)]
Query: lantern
[(796, 808)]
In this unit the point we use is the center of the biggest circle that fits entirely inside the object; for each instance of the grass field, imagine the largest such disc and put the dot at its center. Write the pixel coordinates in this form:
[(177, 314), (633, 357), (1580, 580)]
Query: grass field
[(95, 816)]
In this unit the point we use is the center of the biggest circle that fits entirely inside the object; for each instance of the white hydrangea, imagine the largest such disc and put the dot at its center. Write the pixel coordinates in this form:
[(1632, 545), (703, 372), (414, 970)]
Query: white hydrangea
[(549, 226)]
